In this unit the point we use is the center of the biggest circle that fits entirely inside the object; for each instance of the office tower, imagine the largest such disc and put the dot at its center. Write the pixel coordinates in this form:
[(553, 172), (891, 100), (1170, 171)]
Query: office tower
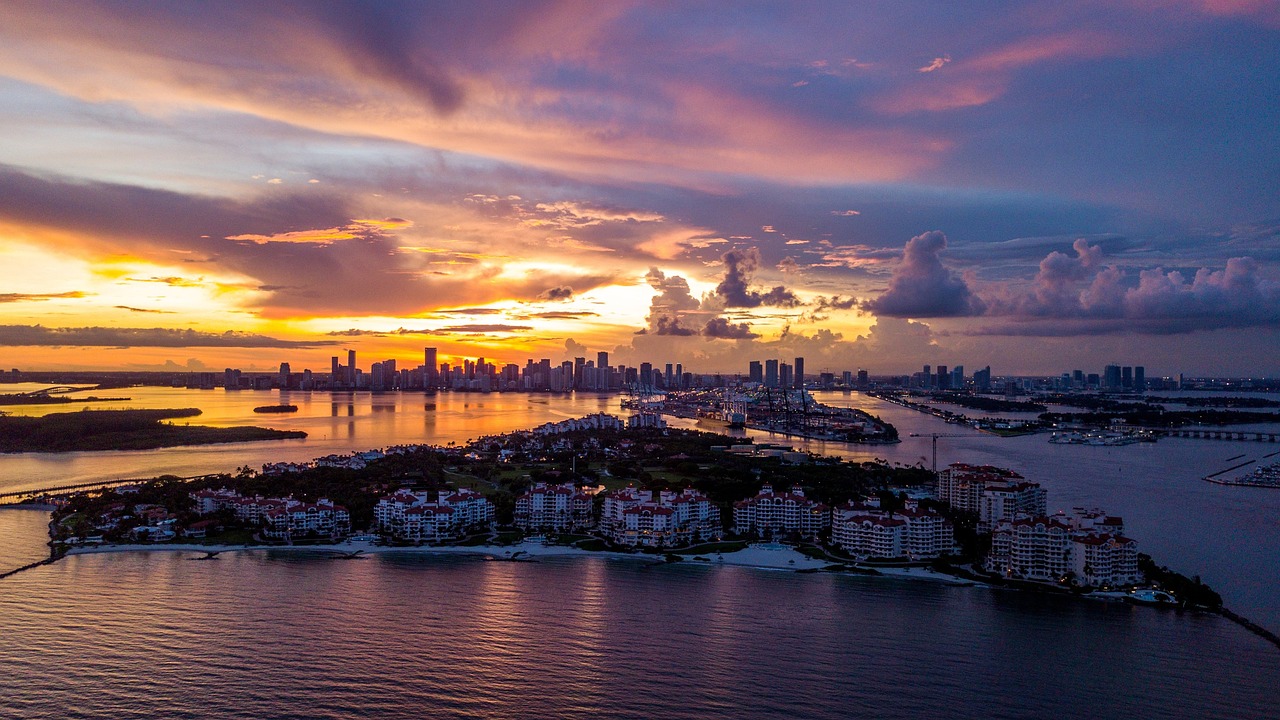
[(680, 383), (377, 379), (1092, 380), (785, 379), (1111, 377), (928, 375), (602, 359), (799, 372), (579, 363), (957, 377), (755, 372), (846, 378), (334, 375), (944, 380), (351, 368), (771, 373), (283, 379), (1126, 377), (646, 374), (1140, 378), (431, 363), (1077, 378), (863, 379), (982, 379)]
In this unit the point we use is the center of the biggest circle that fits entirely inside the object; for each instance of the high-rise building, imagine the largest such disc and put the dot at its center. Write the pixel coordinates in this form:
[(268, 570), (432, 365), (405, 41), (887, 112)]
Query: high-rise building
[(602, 360), (334, 372), (799, 372), (771, 373), (957, 377), (1140, 378), (1126, 377), (431, 365), (982, 379), (1111, 377), (679, 381), (351, 368), (784, 376), (943, 380), (755, 372), (646, 374), (283, 379), (863, 379)]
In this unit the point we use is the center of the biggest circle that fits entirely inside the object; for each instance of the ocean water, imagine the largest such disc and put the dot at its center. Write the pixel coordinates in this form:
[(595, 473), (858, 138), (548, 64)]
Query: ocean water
[(276, 635)]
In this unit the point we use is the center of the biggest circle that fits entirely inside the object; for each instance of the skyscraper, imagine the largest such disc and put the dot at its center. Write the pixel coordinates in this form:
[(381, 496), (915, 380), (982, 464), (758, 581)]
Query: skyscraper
[(1140, 378), (799, 372), (755, 372), (351, 368), (771, 373), (1111, 377), (431, 364)]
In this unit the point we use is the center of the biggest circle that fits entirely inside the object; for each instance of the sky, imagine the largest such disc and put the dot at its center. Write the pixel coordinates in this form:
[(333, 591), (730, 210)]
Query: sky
[(1035, 186)]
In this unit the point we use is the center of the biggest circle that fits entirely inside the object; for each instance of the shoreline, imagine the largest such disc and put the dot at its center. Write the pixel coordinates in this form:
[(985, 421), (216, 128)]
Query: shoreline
[(756, 556)]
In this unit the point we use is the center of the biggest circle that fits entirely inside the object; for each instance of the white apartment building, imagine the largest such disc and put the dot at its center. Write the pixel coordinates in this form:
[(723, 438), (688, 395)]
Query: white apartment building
[(866, 531), (296, 519), (1086, 547), (995, 494), (780, 514), (416, 517), (638, 517), (559, 508)]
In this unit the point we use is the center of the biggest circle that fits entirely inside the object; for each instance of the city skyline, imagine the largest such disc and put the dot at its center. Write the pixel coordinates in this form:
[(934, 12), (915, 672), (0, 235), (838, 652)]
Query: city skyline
[(881, 188)]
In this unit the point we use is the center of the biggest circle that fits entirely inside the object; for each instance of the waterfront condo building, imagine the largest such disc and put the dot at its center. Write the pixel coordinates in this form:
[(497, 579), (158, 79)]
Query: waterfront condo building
[(1085, 548), (777, 514), (297, 519), (415, 517), (993, 493), (638, 517), (557, 508), (866, 531)]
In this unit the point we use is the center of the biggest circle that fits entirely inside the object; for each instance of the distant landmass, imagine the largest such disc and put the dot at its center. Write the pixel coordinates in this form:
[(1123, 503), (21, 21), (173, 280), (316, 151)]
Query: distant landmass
[(121, 430)]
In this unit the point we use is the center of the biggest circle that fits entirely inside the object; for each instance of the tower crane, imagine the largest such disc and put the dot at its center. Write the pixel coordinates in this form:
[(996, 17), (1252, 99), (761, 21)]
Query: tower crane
[(935, 437)]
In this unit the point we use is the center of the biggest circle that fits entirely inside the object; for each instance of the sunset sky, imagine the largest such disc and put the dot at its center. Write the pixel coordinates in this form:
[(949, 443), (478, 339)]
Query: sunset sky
[(1037, 186)]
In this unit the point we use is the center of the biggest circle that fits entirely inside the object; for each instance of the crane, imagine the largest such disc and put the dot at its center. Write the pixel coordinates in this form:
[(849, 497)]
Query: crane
[(935, 437)]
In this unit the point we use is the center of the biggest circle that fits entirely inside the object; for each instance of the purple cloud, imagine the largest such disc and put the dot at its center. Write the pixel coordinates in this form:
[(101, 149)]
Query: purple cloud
[(922, 287)]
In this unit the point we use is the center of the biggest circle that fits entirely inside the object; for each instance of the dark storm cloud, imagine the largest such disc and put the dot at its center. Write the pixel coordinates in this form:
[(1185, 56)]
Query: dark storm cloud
[(735, 291), (17, 335), (563, 292), (719, 327)]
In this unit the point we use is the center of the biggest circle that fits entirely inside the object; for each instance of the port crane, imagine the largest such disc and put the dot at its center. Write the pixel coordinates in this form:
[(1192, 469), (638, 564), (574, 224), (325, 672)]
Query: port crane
[(935, 437)]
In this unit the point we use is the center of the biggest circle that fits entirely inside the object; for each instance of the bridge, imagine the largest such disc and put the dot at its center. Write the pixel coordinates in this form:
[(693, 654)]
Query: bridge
[(98, 485), (1205, 434)]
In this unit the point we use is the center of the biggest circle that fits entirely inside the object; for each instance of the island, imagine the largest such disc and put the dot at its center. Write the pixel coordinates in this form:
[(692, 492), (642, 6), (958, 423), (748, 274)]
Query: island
[(91, 430), (276, 409)]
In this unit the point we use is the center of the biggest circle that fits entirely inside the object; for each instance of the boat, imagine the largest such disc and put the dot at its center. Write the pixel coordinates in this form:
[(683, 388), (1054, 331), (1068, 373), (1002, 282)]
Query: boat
[(276, 409), (719, 420)]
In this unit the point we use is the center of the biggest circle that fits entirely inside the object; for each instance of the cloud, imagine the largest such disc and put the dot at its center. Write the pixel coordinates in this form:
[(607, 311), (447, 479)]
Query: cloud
[(144, 310), (666, 325), (719, 327), (935, 64), (40, 297), (846, 213), (734, 290), (485, 328), (38, 335), (922, 287), (563, 292)]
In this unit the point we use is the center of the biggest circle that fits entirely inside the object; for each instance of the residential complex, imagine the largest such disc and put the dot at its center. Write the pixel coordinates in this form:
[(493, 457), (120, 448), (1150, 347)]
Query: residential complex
[(557, 508), (662, 519), (993, 493), (779, 514), (417, 517), (865, 531), (1087, 548)]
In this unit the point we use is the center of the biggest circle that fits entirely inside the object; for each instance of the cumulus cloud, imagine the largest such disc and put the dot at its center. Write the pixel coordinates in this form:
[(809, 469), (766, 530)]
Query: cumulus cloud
[(922, 286), (17, 335), (735, 291), (671, 302)]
